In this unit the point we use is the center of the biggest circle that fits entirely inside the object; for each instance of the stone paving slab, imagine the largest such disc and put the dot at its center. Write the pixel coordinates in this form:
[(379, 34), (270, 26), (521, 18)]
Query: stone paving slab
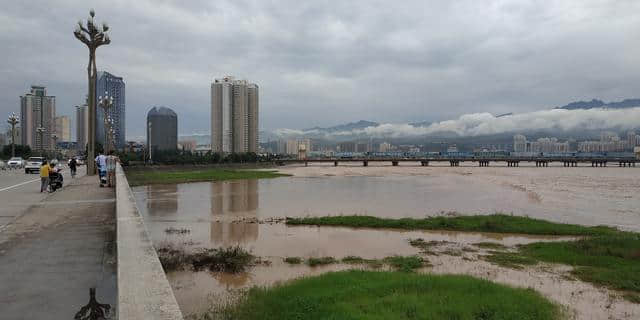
[(50, 255)]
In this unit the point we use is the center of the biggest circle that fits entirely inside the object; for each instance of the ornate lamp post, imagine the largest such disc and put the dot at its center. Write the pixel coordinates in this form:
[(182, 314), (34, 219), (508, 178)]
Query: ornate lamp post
[(41, 131), (55, 144), (93, 37), (106, 102), (13, 120)]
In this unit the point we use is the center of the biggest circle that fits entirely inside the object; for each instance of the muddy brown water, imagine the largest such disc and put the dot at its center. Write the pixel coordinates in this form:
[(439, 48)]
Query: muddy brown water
[(226, 213)]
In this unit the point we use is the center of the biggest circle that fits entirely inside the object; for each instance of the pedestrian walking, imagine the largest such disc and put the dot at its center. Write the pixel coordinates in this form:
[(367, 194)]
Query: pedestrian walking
[(73, 165), (45, 169), (111, 169), (101, 165)]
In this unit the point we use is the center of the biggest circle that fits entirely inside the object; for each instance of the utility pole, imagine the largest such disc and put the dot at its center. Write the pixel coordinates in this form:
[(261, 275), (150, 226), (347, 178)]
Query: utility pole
[(93, 37), (13, 120)]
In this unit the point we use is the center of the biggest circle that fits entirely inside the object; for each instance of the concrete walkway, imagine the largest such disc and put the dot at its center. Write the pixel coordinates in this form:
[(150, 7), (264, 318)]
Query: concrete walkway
[(55, 251)]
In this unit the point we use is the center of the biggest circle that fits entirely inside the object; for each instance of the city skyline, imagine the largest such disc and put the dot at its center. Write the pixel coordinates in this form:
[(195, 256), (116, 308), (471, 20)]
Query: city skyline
[(311, 60)]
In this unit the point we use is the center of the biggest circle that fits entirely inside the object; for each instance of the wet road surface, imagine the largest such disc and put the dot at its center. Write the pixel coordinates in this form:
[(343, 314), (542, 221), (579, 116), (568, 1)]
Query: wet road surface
[(19, 191), (56, 249)]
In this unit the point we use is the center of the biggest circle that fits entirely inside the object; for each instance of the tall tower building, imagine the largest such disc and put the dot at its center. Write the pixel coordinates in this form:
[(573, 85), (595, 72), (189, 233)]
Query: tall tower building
[(63, 128), (114, 86), (82, 127), (162, 129), (253, 104), (234, 115), (37, 109)]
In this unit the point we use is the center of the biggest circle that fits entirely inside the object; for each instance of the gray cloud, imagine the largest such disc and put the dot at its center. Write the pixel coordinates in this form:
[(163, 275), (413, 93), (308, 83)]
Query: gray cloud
[(477, 124), (324, 63)]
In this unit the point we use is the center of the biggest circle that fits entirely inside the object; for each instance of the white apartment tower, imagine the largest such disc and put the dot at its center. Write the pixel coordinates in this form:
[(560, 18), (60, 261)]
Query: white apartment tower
[(234, 116)]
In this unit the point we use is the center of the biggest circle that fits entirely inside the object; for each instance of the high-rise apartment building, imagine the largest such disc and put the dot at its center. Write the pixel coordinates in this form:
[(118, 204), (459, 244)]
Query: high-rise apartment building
[(631, 140), (109, 85), (38, 110), (63, 128), (519, 143), (234, 115), (82, 126), (162, 129), (253, 103)]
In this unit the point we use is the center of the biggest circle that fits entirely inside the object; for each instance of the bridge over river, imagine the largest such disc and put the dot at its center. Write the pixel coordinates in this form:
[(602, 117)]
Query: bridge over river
[(482, 161)]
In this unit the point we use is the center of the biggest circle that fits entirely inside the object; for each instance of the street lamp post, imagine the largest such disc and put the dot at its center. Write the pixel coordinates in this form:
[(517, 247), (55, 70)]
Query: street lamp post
[(55, 145), (106, 102), (40, 131), (13, 120), (93, 37)]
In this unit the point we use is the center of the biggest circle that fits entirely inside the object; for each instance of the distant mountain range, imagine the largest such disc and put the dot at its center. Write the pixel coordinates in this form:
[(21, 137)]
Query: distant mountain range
[(345, 127), (595, 103)]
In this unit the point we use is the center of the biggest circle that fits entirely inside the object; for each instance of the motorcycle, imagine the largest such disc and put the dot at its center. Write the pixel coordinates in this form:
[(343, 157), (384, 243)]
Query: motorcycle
[(55, 180)]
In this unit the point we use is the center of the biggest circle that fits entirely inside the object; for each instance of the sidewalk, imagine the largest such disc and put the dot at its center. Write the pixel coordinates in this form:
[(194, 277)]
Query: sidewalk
[(56, 251)]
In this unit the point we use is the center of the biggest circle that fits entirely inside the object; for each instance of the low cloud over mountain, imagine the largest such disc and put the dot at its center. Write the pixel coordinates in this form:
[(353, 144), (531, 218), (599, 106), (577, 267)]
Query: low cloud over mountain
[(478, 124)]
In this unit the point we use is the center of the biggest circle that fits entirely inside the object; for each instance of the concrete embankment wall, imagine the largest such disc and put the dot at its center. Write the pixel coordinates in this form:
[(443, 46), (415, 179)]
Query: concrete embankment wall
[(143, 289)]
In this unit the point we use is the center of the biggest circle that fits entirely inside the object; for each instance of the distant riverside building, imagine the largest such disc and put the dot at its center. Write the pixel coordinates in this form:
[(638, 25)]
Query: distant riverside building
[(63, 128), (37, 109), (632, 140), (113, 86), (519, 143), (82, 127), (162, 129), (234, 116), (545, 145), (347, 146), (384, 147)]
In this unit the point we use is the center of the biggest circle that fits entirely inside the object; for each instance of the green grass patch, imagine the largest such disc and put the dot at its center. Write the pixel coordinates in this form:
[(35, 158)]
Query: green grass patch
[(145, 177), (405, 264), (231, 259), (490, 245), (293, 260), (314, 262), (498, 223), (510, 260), (611, 261), (389, 295)]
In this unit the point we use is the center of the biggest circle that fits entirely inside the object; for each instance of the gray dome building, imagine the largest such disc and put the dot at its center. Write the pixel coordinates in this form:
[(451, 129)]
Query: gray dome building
[(162, 129)]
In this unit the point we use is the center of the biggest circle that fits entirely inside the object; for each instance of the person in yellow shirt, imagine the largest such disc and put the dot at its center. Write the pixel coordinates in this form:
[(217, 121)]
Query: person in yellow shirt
[(44, 176)]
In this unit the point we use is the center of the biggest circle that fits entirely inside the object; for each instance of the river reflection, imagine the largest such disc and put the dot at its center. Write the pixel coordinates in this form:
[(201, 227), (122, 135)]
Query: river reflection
[(212, 212)]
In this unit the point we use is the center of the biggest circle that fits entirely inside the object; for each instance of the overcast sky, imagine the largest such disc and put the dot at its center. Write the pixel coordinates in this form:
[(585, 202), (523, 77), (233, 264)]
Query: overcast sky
[(321, 63)]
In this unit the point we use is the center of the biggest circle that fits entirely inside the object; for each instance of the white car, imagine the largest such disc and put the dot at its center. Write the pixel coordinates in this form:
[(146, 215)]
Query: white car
[(33, 164), (15, 162)]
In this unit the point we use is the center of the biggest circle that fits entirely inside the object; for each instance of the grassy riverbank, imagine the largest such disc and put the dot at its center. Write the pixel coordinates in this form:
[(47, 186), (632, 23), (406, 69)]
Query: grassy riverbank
[(390, 295), (498, 223), (612, 261), (168, 175), (605, 256)]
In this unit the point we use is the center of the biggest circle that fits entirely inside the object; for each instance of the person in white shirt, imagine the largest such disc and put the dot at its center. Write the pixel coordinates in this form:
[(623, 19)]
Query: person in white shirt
[(101, 164)]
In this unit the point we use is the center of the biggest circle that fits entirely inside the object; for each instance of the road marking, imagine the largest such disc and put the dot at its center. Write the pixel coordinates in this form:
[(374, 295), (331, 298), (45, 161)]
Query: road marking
[(19, 184)]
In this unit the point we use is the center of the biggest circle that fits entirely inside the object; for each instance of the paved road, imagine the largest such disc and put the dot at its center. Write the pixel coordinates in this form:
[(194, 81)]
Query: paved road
[(19, 191), (57, 248)]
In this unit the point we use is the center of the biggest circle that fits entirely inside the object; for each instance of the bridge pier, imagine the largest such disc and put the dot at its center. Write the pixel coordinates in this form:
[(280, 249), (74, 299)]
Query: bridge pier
[(394, 163), (335, 163), (365, 163)]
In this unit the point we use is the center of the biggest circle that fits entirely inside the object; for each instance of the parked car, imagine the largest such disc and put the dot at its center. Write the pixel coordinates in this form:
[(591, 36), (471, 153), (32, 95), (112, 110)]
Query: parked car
[(33, 165), (15, 163)]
